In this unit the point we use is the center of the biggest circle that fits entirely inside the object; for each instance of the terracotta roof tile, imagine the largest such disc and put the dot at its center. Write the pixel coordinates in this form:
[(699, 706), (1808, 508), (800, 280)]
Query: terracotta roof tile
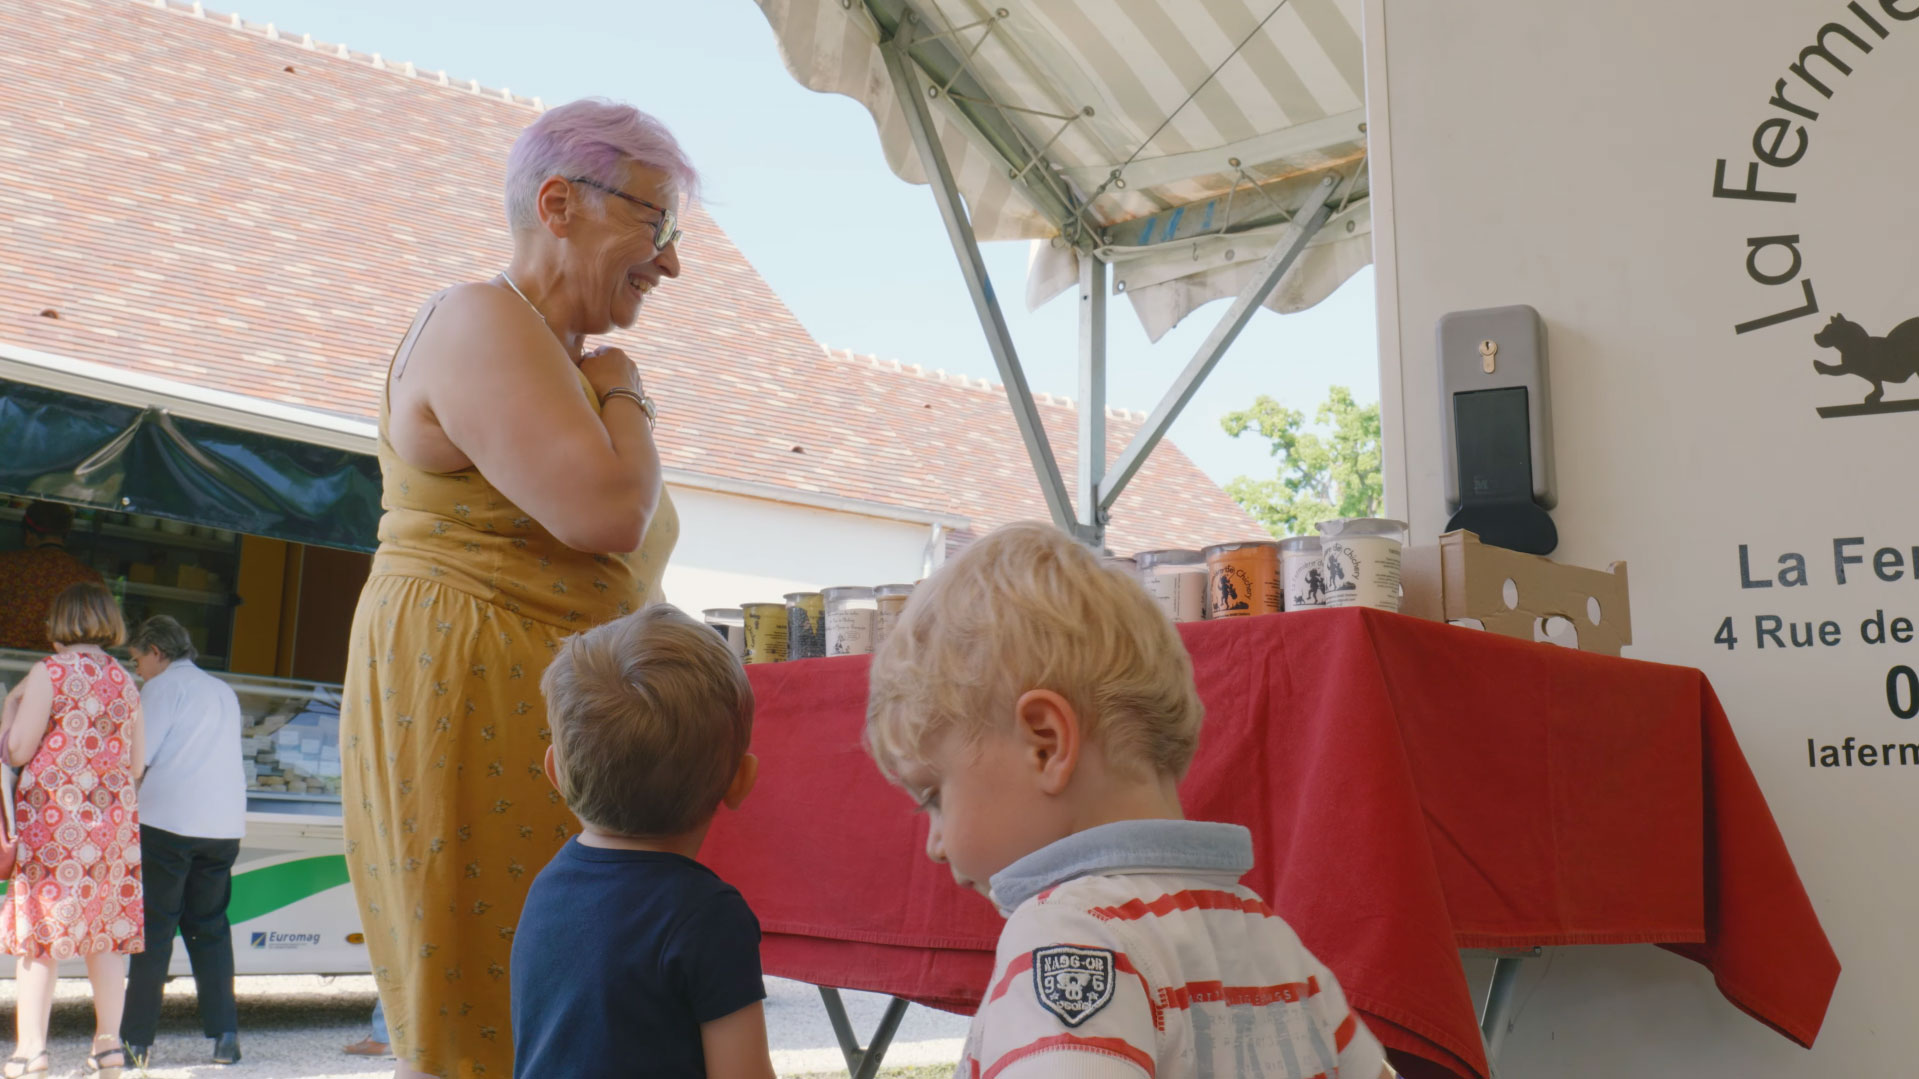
[(215, 218)]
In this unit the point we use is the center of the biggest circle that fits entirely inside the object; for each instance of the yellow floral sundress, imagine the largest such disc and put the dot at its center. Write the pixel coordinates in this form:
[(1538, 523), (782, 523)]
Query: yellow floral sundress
[(448, 813)]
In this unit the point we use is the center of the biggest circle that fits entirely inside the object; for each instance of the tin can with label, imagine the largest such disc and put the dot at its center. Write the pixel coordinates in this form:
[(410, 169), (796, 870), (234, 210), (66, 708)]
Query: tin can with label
[(730, 623), (1242, 579), (1302, 573), (1361, 556), (849, 621), (765, 637), (891, 600), (1176, 579), (805, 625)]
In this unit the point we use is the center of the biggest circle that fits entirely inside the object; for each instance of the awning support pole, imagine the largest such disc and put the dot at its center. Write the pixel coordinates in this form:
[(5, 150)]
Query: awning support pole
[(1092, 397), (919, 121), (1305, 226)]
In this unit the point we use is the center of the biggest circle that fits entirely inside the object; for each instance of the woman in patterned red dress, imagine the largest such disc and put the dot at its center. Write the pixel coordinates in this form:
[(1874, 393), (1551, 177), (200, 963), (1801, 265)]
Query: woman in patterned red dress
[(74, 722)]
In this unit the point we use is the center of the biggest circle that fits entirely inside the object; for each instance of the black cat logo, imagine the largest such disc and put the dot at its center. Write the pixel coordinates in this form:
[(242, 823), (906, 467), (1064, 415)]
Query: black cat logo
[(1878, 360)]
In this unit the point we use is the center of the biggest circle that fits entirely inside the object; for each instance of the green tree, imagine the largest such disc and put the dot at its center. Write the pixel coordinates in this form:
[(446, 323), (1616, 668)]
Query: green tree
[(1321, 476)]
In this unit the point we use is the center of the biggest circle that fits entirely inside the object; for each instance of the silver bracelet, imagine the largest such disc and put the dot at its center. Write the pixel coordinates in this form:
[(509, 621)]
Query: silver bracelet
[(640, 399)]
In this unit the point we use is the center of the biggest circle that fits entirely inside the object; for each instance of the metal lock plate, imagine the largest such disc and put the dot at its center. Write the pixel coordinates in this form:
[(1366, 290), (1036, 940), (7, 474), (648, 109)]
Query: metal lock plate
[(1480, 353)]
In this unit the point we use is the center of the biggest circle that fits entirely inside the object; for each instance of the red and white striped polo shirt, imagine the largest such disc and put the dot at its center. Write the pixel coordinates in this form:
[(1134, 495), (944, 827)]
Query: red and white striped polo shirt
[(1132, 950)]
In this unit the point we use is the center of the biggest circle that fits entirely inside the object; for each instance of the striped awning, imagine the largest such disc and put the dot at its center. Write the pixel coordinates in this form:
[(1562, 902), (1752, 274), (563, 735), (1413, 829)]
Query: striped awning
[(1174, 139)]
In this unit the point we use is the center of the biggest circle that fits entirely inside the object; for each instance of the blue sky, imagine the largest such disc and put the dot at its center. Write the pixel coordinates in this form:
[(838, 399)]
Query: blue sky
[(798, 181)]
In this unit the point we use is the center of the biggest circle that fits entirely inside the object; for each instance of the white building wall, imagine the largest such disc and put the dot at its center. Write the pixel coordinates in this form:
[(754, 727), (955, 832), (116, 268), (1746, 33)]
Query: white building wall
[(735, 549), (1563, 155)]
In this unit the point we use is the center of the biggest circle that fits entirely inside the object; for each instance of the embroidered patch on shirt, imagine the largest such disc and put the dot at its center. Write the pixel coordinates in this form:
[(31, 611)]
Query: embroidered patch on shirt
[(1073, 983)]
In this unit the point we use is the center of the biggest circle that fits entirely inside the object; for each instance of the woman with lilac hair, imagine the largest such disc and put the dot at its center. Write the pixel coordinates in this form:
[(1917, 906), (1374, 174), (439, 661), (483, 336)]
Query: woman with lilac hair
[(523, 504)]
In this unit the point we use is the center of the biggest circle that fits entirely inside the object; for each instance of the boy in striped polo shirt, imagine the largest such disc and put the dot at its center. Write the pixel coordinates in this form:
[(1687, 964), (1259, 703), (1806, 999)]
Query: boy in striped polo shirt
[(1042, 710)]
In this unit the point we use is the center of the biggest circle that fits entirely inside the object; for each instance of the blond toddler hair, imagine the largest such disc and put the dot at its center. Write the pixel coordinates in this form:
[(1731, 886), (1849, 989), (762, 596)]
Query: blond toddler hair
[(1028, 608), (651, 715)]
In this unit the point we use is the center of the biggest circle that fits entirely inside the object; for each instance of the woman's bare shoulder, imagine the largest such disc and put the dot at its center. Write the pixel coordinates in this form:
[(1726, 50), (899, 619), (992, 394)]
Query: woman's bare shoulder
[(488, 302), (474, 296), (463, 328), (481, 320)]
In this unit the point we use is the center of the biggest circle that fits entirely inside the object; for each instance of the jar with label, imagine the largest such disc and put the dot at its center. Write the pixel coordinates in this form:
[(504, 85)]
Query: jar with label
[(1302, 574), (730, 623), (805, 625), (891, 600), (765, 637), (1176, 579), (1242, 579), (1361, 556), (849, 621)]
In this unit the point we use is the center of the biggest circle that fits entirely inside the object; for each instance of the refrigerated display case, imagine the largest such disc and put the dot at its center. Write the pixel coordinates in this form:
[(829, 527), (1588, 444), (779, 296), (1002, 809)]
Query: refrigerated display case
[(292, 908)]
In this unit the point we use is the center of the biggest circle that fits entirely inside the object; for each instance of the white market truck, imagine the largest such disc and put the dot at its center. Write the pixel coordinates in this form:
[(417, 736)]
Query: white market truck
[(292, 908)]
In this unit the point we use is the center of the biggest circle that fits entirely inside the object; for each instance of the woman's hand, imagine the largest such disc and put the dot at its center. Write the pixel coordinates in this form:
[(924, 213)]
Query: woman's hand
[(137, 743), (609, 368)]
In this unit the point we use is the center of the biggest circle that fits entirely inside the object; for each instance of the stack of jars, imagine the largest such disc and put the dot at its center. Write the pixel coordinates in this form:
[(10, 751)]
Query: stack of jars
[(1226, 580), (1351, 563), (1177, 580), (841, 621)]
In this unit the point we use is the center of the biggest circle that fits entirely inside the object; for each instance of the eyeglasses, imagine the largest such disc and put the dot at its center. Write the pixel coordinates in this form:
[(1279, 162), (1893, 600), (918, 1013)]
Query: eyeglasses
[(665, 231)]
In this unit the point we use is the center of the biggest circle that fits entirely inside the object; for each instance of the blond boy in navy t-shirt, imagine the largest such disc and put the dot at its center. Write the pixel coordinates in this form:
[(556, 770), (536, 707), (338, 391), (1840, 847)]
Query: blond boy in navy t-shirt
[(632, 958)]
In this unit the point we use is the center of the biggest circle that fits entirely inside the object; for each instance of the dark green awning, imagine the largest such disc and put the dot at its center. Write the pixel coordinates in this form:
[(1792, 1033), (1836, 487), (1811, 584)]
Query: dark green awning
[(88, 452)]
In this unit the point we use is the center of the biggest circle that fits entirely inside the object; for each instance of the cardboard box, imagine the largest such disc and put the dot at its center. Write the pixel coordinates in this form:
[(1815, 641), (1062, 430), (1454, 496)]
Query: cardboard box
[(1461, 580)]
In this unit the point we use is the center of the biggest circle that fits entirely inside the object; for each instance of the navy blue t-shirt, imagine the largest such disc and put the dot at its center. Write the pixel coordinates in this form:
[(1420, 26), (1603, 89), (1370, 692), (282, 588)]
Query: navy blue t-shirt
[(619, 957)]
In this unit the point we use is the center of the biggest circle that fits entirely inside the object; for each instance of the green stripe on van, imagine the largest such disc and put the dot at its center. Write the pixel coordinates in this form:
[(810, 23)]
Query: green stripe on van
[(265, 890)]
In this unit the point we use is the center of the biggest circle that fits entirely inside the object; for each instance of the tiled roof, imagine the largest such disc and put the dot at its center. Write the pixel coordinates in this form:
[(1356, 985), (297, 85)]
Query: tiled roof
[(980, 469), (221, 203)]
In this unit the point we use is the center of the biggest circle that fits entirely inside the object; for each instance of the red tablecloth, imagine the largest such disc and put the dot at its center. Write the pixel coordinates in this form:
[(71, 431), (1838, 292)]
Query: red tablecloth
[(1412, 789)]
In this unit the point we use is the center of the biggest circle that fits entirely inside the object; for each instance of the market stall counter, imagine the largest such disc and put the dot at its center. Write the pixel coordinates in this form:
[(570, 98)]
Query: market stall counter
[(1412, 788)]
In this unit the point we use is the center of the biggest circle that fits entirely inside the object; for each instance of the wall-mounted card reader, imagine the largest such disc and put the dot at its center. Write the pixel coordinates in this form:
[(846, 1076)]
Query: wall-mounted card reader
[(1496, 416)]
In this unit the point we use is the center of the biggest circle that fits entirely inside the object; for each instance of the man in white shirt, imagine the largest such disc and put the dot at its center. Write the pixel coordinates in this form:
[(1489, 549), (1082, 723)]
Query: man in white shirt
[(193, 806)]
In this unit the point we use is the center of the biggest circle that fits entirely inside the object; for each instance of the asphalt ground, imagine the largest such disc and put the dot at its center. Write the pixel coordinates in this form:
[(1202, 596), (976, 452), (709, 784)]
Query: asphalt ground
[(294, 1027)]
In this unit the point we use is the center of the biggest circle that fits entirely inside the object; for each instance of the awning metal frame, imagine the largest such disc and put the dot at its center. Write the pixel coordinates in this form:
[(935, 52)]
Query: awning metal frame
[(862, 1062), (1054, 193), (1092, 397), (933, 52), (959, 230), (1225, 332)]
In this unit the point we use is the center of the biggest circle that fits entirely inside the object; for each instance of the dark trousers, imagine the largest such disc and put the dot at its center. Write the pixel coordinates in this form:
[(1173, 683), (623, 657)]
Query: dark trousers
[(188, 883)]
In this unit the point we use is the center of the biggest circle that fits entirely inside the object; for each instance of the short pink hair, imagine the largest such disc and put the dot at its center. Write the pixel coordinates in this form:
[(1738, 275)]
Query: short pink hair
[(589, 137)]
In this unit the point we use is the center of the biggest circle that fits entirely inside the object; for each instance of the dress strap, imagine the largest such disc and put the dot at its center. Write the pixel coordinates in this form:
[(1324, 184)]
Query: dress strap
[(396, 366)]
